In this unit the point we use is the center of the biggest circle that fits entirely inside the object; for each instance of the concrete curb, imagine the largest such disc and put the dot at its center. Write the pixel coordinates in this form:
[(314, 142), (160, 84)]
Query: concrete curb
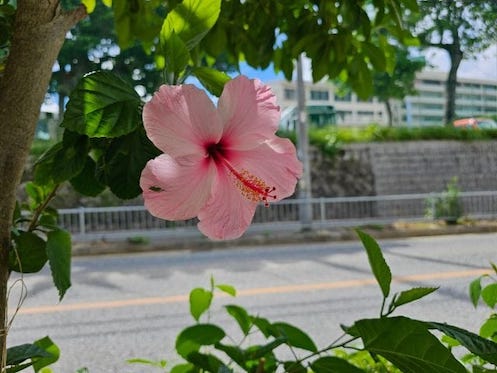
[(325, 235)]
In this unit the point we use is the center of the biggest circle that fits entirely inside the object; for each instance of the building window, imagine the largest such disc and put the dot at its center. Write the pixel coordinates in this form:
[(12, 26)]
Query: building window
[(319, 95), (347, 97), (290, 94)]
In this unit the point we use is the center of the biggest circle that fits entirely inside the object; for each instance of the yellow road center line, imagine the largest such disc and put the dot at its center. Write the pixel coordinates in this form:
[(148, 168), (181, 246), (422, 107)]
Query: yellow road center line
[(247, 292)]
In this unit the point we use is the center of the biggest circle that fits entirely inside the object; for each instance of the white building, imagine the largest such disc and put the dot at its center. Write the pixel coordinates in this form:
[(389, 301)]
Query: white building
[(474, 97)]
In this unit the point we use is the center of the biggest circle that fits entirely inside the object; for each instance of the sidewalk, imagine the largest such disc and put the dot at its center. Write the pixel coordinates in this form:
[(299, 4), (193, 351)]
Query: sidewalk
[(198, 242)]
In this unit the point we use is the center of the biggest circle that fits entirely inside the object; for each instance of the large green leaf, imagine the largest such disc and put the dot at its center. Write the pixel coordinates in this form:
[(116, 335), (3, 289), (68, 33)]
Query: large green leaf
[(484, 348), (59, 257), (122, 164), (63, 161), (213, 80), (475, 290), (489, 328), (377, 262), (86, 182), (29, 254), (192, 338), (200, 301), (295, 337), (333, 364), (191, 20), (408, 345), (103, 105), (176, 55), (51, 348)]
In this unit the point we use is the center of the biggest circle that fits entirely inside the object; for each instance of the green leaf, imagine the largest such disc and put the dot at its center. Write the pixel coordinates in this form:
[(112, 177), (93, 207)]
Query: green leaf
[(295, 337), (192, 338), (18, 354), (190, 20), (484, 348), (489, 295), (124, 161), (51, 348), (103, 105), (234, 352), (158, 364), (228, 289), (294, 367), (213, 80), (494, 267), (241, 316), (489, 328), (200, 301), (411, 295), (59, 257), (334, 364), (176, 55), (207, 362), (29, 253), (63, 161), (375, 55), (86, 182), (263, 325), (377, 262), (90, 5), (257, 352), (184, 368), (408, 345), (475, 290)]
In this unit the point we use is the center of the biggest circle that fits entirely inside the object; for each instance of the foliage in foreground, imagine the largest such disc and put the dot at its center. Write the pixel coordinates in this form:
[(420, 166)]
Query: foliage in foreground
[(383, 344)]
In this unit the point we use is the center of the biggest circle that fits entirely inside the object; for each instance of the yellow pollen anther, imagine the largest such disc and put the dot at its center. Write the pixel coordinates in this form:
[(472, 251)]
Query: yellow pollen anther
[(250, 186)]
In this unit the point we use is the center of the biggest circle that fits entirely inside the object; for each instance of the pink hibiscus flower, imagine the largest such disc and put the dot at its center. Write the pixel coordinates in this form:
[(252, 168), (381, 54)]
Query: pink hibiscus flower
[(218, 163)]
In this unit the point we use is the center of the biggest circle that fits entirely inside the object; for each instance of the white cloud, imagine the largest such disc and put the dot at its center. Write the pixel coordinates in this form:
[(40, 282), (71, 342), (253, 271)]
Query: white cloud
[(483, 66)]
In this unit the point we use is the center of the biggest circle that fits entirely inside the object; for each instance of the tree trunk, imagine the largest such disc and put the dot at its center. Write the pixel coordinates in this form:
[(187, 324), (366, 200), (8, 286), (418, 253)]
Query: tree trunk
[(389, 112), (39, 31), (456, 56)]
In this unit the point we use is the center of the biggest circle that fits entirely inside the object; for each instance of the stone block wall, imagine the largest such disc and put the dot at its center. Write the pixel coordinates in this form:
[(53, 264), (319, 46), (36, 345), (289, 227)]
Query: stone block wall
[(405, 167)]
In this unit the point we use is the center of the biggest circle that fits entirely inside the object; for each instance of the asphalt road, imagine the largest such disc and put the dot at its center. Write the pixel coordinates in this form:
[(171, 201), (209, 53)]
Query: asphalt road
[(127, 306)]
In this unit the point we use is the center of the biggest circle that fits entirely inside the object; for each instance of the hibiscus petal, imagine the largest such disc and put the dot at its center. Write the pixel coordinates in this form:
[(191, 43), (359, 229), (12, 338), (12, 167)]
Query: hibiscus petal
[(248, 111), (227, 213), (176, 189), (275, 163), (180, 120)]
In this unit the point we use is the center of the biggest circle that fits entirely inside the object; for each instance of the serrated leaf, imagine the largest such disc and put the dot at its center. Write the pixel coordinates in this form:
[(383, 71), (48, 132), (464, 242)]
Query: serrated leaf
[(213, 80), (408, 345), (51, 348), (29, 253), (200, 301), (18, 354), (489, 295), (59, 257), (228, 289), (63, 161), (241, 316), (190, 20), (377, 262), (484, 348), (475, 290), (411, 295), (334, 364), (294, 336), (103, 105), (192, 338)]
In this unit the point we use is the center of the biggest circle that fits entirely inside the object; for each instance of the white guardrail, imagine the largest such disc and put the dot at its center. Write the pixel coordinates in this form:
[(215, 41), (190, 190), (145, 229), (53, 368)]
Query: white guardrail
[(128, 221)]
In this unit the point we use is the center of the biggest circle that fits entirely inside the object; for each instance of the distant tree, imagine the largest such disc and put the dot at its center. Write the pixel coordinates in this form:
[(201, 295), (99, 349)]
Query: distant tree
[(463, 28), (400, 82)]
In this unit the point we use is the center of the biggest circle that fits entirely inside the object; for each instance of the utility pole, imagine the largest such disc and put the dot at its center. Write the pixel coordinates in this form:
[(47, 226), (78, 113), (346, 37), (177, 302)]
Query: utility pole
[(304, 192)]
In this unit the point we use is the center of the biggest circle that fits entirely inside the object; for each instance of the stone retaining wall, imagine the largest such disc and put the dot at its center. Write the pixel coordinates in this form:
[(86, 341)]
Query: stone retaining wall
[(405, 167)]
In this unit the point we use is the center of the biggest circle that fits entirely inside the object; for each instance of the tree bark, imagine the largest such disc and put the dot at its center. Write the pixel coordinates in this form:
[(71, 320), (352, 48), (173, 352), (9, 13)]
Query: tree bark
[(389, 112), (39, 31), (456, 56)]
